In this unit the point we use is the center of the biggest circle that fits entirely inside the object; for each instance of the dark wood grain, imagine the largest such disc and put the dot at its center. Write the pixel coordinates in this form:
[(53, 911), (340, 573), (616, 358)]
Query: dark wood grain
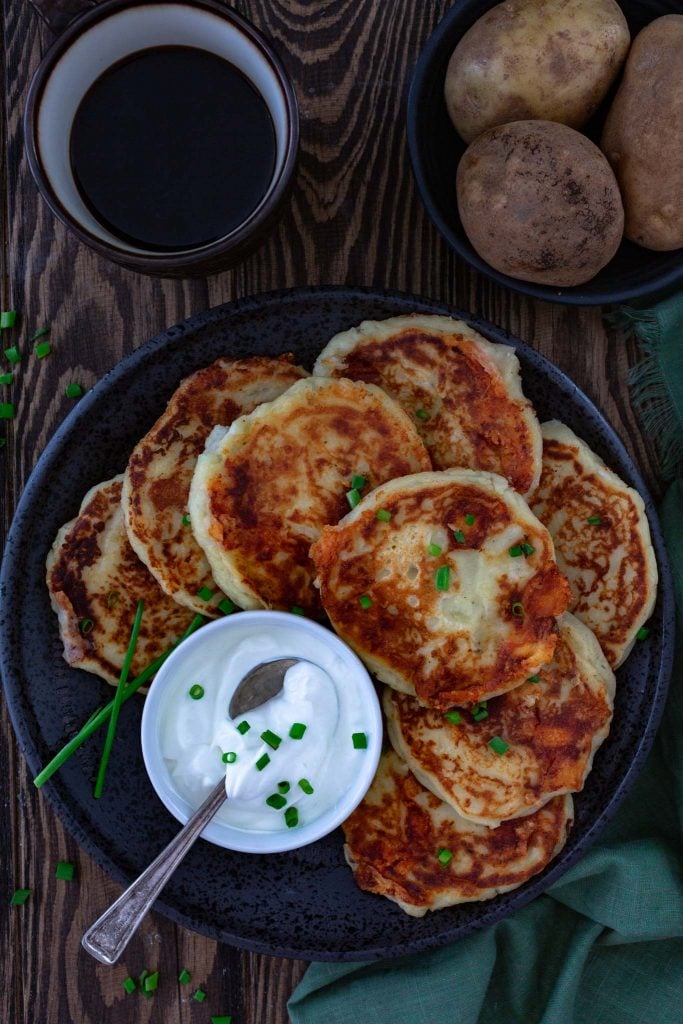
[(354, 218)]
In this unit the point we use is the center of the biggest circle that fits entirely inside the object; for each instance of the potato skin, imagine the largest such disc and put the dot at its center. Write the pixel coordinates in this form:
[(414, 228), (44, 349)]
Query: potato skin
[(643, 135), (551, 60), (539, 202)]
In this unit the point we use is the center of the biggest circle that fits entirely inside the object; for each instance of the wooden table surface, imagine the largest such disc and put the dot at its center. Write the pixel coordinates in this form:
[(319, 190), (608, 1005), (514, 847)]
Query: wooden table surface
[(354, 218)]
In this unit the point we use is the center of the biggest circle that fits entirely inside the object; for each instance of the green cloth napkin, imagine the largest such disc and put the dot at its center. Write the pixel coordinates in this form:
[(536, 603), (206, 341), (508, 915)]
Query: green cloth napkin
[(605, 944)]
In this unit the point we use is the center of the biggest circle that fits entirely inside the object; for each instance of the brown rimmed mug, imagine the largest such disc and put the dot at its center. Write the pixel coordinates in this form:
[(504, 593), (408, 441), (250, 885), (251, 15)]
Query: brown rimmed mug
[(93, 38)]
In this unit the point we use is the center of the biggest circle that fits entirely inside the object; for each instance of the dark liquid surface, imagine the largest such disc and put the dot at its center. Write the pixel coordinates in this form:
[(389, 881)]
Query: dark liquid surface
[(172, 148)]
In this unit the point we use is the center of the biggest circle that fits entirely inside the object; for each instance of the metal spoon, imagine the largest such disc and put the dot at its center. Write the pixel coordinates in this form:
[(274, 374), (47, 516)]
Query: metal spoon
[(107, 938)]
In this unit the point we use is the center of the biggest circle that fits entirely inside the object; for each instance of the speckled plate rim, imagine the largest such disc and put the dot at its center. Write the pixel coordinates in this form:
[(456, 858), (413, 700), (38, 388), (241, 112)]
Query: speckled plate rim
[(53, 790)]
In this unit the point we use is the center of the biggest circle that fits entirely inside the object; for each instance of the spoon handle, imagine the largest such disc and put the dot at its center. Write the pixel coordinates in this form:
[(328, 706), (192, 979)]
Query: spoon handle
[(107, 938)]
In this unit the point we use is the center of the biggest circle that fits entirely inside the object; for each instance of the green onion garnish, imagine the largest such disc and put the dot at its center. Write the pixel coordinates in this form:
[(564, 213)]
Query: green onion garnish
[(129, 985), (151, 982), (6, 411), (199, 996), (469, 519), (196, 691), (642, 633), (8, 318), (594, 520), (19, 897), (226, 606), (365, 601), (283, 787), (113, 598), (184, 977), (297, 730), (358, 482), (442, 577), (434, 550), (480, 714), (276, 801), (499, 745), (528, 549), (205, 593), (186, 520), (359, 740), (262, 762), (453, 716), (444, 856), (534, 679), (353, 497), (86, 626), (39, 333), (225, 1019), (459, 536), (13, 354), (118, 701), (383, 515), (296, 610), (243, 727), (229, 757), (422, 414), (271, 738), (291, 817), (306, 786), (73, 390), (517, 609), (65, 871), (515, 552), (6, 378), (43, 349)]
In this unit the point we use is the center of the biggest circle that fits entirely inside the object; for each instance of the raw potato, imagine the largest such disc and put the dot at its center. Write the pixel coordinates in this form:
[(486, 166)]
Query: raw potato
[(643, 135), (550, 60), (539, 202)]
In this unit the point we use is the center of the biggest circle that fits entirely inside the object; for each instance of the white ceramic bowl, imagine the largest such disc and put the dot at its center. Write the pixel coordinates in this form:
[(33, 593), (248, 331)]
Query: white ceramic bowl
[(229, 836)]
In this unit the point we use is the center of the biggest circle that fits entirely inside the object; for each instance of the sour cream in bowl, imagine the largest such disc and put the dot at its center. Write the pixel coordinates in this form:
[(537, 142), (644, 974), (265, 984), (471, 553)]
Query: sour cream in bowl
[(294, 767)]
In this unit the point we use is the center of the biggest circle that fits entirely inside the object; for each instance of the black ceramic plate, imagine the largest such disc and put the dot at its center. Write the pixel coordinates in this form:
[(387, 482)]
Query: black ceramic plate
[(436, 148), (301, 904)]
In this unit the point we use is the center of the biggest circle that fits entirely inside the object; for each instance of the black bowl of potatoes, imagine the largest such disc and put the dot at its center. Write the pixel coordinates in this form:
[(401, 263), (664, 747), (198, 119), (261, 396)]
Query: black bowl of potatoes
[(546, 138)]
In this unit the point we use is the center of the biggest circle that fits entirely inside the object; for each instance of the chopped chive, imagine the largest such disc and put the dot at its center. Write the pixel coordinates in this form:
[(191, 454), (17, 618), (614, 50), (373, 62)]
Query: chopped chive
[(480, 714), (353, 497), (297, 730), (129, 985), (291, 817), (199, 996), (6, 378), (528, 549), (224, 1019), (422, 414), (43, 349), (306, 786), (186, 520), (365, 601), (262, 762), (113, 598), (517, 609), (141, 978), (226, 606), (459, 536), (73, 390), (444, 856), (196, 691), (642, 633), (19, 897), (276, 801), (358, 482), (271, 738), (534, 679), (296, 610), (434, 550), (243, 727), (13, 354), (65, 871), (6, 411), (453, 716), (469, 519), (8, 318), (229, 757), (594, 520), (86, 626), (205, 593), (359, 740), (283, 787), (184, 977), (383, 515), (515, 552), (39, 333), (499, 745), (151, 982), (442, 577)]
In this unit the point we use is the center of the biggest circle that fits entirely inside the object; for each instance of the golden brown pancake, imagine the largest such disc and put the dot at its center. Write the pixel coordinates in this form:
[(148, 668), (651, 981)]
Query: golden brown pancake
[(453, 624), (602, 540), (94, 576), (157, 481), (553, 725), (263, 490), (394, 836), (462, 392)]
